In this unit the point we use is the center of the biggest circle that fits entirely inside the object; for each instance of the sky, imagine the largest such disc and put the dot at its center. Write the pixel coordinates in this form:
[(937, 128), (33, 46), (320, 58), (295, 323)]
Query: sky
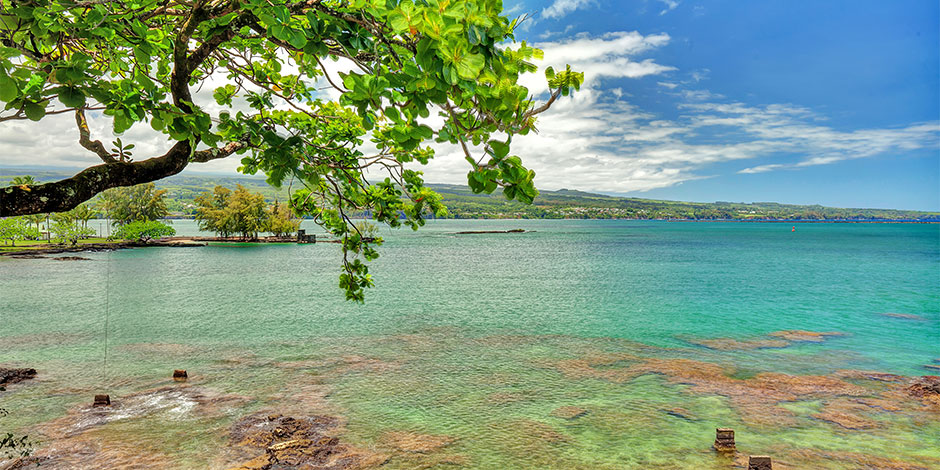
[(834, 103)]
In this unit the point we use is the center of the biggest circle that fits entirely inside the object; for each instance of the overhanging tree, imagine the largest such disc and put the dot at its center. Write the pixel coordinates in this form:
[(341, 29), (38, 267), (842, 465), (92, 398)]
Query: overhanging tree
[(138, 61)]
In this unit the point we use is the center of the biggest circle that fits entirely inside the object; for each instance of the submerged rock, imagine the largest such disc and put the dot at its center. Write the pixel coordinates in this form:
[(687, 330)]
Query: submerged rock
[(848, 414), (776, 339), (414, 442), (12, 376), (569, 412), (927, 389), (278, 442), (904, 316), (681, 413), (731, 344), (805, 336)]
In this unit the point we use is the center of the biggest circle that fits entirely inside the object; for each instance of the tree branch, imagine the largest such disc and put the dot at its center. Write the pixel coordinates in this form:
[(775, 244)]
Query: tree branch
[(202, 156), (84, 138), (64, 195)]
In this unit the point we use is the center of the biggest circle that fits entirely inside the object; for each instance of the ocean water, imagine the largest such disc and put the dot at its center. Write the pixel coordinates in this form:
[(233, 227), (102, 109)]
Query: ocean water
[(487, 342)]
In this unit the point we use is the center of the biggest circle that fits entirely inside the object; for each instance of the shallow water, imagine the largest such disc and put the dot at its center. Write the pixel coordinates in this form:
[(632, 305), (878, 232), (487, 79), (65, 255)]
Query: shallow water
[(478, 338)]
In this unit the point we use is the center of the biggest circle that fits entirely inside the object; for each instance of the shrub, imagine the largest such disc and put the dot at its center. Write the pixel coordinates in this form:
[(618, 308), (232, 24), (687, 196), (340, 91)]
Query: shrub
[(144, 230)]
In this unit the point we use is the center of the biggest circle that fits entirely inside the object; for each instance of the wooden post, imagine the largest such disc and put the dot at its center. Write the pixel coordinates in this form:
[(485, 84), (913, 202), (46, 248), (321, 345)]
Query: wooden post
[(759, 462), (179, 375), (102, 400), (724, 440)]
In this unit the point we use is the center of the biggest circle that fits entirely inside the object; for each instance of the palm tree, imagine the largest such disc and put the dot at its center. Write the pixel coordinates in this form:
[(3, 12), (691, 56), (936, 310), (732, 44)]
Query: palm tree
[(36, 219), (21, 180), (83, 213)]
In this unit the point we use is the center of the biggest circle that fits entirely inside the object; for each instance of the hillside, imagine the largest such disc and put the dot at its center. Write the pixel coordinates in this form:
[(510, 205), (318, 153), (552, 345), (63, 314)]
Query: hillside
[(462, 203)]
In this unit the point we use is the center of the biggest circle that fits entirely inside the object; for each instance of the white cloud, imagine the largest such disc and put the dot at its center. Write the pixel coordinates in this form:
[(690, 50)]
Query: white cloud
[(670, 5), (562, 7), (606, 56)]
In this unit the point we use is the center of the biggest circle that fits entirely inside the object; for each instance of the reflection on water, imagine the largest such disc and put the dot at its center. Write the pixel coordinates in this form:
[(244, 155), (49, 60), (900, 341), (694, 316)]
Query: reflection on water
[(582, 345)]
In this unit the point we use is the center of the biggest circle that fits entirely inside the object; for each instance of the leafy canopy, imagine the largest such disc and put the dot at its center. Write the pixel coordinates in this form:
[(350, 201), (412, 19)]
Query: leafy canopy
[(406, 73), (143, 230), (143, 202)]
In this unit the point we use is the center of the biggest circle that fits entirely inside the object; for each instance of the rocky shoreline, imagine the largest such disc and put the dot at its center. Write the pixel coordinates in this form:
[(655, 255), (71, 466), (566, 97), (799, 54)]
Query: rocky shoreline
[(51, 249)]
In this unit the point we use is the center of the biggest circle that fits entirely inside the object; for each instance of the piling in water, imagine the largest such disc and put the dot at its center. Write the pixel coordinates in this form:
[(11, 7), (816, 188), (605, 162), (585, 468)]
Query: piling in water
[(761, 462), (724, 440), (179, 375), (102, 400)]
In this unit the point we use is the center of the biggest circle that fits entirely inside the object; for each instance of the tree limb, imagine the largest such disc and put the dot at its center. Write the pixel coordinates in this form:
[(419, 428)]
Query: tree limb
[(64, 195), (84, 138), (202, 156)]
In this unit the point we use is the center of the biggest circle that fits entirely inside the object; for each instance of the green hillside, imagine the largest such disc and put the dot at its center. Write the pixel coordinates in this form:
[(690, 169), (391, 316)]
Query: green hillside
[(462, 203)]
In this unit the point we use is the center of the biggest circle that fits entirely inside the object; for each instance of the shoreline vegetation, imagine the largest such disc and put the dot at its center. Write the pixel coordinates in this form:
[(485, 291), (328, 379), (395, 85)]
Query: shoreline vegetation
[(37, 249), (181, 192)]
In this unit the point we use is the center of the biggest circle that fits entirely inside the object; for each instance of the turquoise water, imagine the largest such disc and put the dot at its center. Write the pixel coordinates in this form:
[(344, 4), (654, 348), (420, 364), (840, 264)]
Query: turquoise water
[(459, 319)]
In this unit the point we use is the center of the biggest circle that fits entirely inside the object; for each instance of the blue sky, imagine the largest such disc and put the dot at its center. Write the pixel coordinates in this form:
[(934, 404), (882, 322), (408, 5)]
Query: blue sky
[(830, 102), (794, 101)]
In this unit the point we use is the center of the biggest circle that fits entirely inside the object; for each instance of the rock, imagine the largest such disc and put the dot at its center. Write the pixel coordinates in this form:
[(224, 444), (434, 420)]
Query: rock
[(472, 232), (414, 442), (569, 412), (805, 336), (534, 430), (12, 376), (731, 344), (904, 316), (286, 442), (680, 413), (71, 258), (869, 375), (847, 414), (932, 367), (504, 398), (927, 389), (761, 462)]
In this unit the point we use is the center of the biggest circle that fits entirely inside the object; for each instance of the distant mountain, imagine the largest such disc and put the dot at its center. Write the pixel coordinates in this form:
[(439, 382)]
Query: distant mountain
[(564, 203)]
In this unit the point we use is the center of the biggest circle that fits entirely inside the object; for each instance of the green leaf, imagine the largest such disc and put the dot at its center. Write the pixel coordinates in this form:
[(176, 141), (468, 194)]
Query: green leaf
[(34, 111), (470, 65), (8, 91), (476, 34), (281, 32), (297, 39), (71, 97), (500, 149)]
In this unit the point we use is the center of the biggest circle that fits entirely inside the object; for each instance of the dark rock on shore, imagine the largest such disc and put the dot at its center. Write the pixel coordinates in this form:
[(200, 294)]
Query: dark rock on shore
[(12, 376)]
